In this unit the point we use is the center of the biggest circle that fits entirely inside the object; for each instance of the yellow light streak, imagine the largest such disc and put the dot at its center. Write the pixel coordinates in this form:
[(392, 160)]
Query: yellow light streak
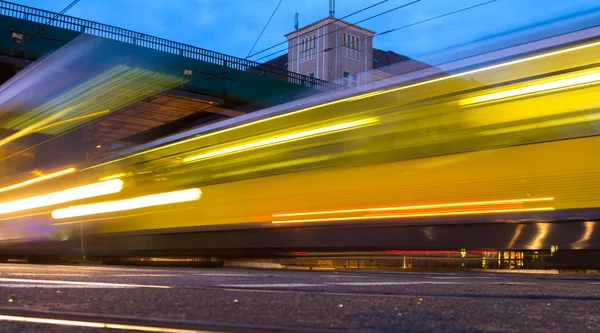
[(123, 216), (33, 128), (282, 139), (115, 176), (51, 321), (93, 324), (128, 204), (357, 218), (83, 283), (38, 179), (479, 70), (91, 115), (72, 194), (448, 205), (354, 98), (536, 88)]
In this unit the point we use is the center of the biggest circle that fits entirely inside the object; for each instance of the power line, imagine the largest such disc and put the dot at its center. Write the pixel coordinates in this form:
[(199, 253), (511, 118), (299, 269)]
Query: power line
[(336, 20), (263, 30), (350, 25), (434, 18), (410, 25), (73, 3)]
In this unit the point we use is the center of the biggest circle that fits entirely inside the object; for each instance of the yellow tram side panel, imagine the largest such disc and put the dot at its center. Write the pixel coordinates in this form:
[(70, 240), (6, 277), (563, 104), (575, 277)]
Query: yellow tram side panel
[(564, 170)]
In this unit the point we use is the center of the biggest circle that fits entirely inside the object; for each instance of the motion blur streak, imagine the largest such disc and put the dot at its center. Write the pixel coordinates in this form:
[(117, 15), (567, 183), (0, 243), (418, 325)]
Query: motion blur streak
[(282, 139), (52, 321), (475, 203), (538, 88), (115, 176), (216, 132), (82, 283), (92, 324), (37, 179), (355, 98), (479, 70), (121, 216), (356, 218), (128, 204), (91, 115), (544, 124), (72, 194)]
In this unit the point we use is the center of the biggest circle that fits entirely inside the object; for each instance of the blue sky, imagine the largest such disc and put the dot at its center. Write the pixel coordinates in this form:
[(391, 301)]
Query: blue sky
[(232, 26)]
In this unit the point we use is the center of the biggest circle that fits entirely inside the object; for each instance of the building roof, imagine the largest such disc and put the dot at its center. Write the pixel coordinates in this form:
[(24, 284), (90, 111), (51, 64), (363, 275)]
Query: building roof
[(394, 63), (280, 62), (333, 20)]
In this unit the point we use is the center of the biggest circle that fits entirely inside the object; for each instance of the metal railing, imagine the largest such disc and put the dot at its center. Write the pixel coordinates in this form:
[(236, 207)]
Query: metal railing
[(160, 44)]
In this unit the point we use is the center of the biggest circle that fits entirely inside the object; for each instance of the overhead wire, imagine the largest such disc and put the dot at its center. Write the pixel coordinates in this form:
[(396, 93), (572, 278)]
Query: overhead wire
[(407, 25), (335, 20), (265, 27), (62, 12), (350, 25), (434, 18)]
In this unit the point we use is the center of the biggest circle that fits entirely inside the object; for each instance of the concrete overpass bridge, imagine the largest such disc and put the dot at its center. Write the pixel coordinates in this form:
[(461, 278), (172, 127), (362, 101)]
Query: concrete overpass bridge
[(215, 86)]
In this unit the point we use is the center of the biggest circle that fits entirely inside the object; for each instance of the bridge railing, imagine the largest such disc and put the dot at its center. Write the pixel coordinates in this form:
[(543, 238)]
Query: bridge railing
[(160, 44)]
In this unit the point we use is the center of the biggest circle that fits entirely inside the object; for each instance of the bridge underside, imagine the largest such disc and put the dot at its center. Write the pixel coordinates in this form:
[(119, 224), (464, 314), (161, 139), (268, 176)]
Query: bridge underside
[(159, 115)]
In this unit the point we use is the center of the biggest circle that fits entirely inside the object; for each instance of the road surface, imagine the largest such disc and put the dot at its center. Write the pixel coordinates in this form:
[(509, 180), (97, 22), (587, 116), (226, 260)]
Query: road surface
[(114, 298)]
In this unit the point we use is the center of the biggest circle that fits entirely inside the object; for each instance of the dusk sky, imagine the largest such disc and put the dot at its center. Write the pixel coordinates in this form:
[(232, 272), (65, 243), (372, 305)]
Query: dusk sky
[(232, 26)]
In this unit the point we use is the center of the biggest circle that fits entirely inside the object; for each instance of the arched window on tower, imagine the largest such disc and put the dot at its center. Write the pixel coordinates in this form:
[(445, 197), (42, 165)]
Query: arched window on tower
[(353, 46), (344, 40), (357, 43)]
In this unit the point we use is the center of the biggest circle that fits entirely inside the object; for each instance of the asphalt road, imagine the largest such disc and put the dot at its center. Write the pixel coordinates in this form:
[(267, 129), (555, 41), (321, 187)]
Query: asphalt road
[(230, 300)]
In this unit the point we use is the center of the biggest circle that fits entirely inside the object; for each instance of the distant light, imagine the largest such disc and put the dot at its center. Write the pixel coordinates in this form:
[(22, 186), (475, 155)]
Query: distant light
[(99, 146), (40, 178), (283, 139), (128, 204), (72, 194)]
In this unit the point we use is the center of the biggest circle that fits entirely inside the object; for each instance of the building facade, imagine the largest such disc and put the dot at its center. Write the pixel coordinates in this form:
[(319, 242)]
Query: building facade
[(337, 51)]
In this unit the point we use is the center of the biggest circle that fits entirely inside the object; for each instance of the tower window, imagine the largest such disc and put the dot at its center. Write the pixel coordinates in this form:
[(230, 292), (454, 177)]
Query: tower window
[(308, 43), (345, 79), (352, 42), (354, 80)]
